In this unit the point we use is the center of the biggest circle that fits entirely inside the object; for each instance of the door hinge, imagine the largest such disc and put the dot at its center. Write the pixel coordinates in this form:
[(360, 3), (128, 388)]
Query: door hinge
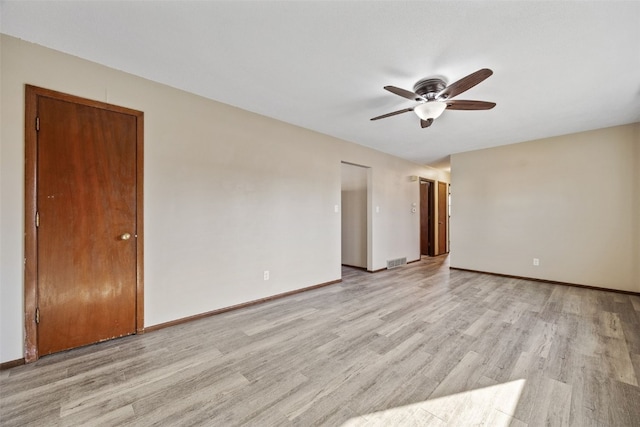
[(37, 315), (37, 219), (37, 124)]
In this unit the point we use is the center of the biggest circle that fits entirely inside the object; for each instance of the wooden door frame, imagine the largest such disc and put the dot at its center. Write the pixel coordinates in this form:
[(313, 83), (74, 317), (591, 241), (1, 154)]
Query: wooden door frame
[(431, 215), (30, 206), (445, 221)]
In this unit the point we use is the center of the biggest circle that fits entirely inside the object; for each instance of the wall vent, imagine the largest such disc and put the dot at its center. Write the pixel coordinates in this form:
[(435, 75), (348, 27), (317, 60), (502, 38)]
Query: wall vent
[(393, 263)]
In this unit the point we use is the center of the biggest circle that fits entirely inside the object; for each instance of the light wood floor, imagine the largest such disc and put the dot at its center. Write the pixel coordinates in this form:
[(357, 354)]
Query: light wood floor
[(418, 345)]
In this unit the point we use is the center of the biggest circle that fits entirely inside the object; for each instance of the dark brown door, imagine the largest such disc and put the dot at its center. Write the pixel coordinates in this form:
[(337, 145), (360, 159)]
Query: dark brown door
[(443, 201), (426, 218), (86, 237)]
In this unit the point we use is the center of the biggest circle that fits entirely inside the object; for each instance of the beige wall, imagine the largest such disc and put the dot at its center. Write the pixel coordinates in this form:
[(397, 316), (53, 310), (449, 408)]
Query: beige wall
[(570, 201), (228, 194)]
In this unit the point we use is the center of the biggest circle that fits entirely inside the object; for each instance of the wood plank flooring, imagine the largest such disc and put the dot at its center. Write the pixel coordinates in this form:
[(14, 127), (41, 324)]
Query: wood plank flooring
[(418, 345)]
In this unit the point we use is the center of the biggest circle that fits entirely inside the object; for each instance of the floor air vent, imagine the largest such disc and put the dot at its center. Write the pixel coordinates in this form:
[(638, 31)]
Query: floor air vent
[(393, 263)]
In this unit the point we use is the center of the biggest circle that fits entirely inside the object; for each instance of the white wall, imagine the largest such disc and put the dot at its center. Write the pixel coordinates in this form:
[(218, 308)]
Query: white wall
[(228, 194), (572, 201)]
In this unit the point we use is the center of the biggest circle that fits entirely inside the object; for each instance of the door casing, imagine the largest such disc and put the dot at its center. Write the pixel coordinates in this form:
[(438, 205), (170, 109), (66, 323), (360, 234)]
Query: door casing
[(427, 217), (443, 217)]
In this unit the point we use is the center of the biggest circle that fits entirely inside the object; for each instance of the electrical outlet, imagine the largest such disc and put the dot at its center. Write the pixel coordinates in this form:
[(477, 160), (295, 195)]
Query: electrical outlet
[(266, 275), (536, 262)]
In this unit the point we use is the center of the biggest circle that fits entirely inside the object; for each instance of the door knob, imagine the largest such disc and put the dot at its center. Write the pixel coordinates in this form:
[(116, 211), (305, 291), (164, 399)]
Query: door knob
[(125, 236)]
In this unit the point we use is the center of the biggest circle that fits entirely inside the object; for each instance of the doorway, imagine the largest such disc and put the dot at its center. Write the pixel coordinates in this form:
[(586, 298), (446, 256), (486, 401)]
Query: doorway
[(355, 215), (83, 222), (427, 217)]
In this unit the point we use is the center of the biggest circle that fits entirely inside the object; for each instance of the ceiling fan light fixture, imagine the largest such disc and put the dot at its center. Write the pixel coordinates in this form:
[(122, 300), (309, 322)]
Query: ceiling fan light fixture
[(430, 110)]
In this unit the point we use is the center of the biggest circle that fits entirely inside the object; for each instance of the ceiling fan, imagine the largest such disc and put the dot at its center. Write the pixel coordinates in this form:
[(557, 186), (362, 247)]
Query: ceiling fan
[(433, 97)]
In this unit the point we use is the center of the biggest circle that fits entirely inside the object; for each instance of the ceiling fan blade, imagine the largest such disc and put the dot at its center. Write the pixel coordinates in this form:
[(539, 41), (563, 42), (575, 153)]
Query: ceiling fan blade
[(455, 104), (404, 93), (393, 114), (464, 84), (426, 123)]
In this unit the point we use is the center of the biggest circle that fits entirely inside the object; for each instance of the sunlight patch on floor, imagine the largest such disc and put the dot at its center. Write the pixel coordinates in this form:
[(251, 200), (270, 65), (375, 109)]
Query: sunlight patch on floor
[(487, 406)]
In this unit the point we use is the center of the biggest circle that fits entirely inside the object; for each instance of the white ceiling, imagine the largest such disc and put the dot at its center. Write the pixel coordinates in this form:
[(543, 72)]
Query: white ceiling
[(559, 67)]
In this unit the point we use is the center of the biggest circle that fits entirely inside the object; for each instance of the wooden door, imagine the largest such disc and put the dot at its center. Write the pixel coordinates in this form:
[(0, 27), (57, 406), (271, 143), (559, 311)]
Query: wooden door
[(86, 197), (443, 201), (426, 218)]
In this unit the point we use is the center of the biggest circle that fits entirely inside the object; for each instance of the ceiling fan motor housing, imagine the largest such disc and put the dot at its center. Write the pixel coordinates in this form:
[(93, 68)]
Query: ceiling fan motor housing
[(429, 88)]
